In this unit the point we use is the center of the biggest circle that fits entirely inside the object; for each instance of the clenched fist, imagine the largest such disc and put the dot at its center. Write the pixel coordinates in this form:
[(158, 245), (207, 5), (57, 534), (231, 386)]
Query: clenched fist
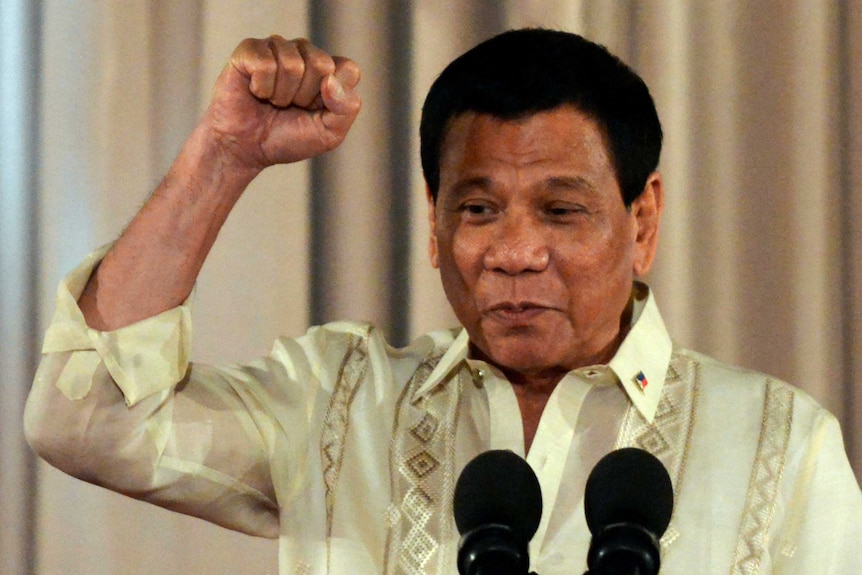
[(279, 101)]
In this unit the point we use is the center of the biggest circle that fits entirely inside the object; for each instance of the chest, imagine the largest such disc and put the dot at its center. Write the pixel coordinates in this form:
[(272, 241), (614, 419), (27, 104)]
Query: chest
[(389, 473)]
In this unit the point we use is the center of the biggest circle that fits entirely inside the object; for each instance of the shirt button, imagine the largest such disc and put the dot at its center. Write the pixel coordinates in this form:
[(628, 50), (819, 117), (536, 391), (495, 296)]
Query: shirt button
[(478, 377)]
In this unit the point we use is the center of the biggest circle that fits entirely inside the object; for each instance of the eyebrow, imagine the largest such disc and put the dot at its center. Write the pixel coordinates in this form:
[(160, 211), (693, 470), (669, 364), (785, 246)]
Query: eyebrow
[(463, 186), (558, 183), (571, 182)]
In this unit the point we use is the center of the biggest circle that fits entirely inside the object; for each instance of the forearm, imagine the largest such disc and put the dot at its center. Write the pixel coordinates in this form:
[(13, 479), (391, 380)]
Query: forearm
[(154, 264), (275, 102), (123, 407)]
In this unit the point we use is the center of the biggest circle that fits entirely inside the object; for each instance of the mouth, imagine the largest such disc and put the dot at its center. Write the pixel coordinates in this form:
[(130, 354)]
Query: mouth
[(516, 313)]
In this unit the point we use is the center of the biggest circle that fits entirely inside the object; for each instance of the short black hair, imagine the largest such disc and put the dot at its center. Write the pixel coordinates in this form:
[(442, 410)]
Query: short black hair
[(521, 72)]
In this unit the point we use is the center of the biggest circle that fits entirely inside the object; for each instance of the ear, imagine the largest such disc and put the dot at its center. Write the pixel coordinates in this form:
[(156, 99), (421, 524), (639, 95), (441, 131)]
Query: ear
[(433, 252), (646, 210)]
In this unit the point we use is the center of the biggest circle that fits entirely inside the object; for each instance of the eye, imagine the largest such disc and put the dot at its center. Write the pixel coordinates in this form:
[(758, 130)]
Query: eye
[(477, 210), (565, 210)]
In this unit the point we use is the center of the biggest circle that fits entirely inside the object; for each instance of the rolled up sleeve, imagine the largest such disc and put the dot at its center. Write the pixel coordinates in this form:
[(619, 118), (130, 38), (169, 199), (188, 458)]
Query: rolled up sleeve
[(143, 359), (127, 410)]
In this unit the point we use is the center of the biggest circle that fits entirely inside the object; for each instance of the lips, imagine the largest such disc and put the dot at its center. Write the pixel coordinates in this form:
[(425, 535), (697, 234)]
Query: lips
[(514, 314)]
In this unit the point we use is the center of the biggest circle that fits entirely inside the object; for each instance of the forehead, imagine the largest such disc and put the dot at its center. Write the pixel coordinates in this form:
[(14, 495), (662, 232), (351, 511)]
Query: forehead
[(564, 140)]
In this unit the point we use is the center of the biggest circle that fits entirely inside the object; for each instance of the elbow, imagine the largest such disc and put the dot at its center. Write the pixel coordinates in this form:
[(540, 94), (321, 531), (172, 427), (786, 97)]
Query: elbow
[(40, 427), (85, 436), (46, 433), (46, 409), (67, 435), (34, 434)]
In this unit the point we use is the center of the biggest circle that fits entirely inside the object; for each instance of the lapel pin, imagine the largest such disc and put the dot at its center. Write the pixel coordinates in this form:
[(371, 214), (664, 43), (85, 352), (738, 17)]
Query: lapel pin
[(641, 380)]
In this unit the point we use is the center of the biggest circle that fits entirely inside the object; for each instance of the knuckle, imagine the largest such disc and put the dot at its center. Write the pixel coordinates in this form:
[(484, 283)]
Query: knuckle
[(293, 66), (244, 49), (267, 66), (315, 58), (348, 71), (276, 44), (321, 62)]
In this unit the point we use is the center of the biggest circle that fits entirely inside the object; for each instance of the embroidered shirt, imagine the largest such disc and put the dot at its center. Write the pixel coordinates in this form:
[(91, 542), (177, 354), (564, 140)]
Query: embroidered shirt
[(347, 449)]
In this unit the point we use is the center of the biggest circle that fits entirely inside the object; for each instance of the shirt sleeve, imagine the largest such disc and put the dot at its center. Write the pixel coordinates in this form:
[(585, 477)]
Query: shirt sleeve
[(143, 359), (823, 523), (127, 410)]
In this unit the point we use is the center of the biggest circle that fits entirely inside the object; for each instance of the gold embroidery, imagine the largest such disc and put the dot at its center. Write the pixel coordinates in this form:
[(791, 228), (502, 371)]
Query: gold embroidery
[(422, 461), (788, 550), (337, 419), (765, 478), (668, 437)]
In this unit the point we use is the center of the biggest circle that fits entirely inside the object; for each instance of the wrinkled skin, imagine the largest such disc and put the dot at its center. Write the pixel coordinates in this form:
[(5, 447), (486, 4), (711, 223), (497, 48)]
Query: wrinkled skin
[(536, 249)]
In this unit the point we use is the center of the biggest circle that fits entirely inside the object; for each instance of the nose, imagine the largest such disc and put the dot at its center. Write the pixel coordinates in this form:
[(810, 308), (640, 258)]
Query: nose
[(518, 246)]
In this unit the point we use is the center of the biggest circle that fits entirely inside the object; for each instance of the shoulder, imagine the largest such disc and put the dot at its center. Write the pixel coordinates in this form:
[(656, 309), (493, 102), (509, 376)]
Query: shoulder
[(340, 344), (364, 334), (753, 419), (735, 391)]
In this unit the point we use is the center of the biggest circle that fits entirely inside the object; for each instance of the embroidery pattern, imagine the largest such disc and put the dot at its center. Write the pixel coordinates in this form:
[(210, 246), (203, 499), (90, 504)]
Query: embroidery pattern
[(765, 478), (422, 462), (337, 419), (668, 437)]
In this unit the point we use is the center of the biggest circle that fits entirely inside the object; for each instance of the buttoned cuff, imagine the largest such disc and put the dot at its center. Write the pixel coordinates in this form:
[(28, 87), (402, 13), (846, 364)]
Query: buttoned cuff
[(143, 358)]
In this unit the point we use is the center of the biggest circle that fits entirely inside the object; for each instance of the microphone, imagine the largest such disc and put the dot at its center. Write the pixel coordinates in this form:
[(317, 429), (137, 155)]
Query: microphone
[(628, 504), (498, 506)]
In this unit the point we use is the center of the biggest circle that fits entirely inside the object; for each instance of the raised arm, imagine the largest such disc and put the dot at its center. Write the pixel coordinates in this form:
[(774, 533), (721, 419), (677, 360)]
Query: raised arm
[(115, 401), (276, 101)]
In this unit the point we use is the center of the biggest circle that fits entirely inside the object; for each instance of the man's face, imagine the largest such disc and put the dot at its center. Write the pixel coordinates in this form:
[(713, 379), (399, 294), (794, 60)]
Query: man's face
[(536, 250)]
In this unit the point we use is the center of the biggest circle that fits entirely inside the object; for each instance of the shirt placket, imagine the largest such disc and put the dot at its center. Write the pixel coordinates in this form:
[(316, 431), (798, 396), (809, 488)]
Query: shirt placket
[(552, 445)]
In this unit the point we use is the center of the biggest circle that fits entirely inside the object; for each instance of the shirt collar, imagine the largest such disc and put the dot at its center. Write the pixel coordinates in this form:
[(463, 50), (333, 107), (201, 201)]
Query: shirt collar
[(454, 357), (642, 360), (640, 363)]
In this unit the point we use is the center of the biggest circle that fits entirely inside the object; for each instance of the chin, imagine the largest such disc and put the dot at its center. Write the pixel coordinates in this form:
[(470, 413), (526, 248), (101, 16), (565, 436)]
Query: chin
[(524, 359)]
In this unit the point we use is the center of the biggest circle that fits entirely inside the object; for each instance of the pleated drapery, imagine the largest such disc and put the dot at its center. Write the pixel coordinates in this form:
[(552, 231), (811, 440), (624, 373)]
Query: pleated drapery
[(760, 261)]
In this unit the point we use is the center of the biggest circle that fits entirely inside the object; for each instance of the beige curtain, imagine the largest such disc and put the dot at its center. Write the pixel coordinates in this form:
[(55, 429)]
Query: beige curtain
[(761, 257), (19, 65)]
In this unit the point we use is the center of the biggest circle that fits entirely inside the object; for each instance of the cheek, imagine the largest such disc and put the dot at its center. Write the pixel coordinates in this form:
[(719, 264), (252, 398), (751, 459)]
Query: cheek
[(460, 271), (616, 250), (463, 252), (596, 271)]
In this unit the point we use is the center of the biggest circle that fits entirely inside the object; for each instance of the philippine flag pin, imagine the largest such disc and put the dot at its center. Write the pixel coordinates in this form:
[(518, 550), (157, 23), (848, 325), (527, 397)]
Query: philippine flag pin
[(642, 380)]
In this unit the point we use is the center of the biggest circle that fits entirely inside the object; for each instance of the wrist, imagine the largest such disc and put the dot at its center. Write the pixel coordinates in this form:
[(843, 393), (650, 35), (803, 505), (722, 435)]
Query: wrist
[(212, 168)]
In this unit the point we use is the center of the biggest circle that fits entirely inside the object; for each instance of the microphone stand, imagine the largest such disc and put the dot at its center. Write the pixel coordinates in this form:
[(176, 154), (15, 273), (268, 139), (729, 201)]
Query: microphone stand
[(492, 549), (623, 549)]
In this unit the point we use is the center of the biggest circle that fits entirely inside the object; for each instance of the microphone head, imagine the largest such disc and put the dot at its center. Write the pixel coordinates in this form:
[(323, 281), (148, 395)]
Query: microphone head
[(498, 487), (629, 485)]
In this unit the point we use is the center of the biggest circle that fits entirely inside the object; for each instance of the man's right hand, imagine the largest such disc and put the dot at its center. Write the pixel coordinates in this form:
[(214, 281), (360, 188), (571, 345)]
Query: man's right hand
[(279, 101)]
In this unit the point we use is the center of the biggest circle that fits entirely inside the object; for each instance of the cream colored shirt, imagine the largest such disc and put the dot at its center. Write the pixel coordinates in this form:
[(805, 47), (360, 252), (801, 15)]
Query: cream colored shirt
[(347, 449)]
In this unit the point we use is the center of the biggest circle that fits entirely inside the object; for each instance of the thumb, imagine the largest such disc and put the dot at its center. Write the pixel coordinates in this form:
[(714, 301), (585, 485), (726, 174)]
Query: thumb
[(341, 103)]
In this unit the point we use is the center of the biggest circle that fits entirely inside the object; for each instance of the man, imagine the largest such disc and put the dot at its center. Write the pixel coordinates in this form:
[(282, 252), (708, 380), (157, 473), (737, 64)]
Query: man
[(539, 151)]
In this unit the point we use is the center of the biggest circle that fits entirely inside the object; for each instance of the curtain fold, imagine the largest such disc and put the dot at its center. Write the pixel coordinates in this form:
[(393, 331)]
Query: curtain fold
[(760, 259), (363, 187), (19, 252), (850, 24)]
